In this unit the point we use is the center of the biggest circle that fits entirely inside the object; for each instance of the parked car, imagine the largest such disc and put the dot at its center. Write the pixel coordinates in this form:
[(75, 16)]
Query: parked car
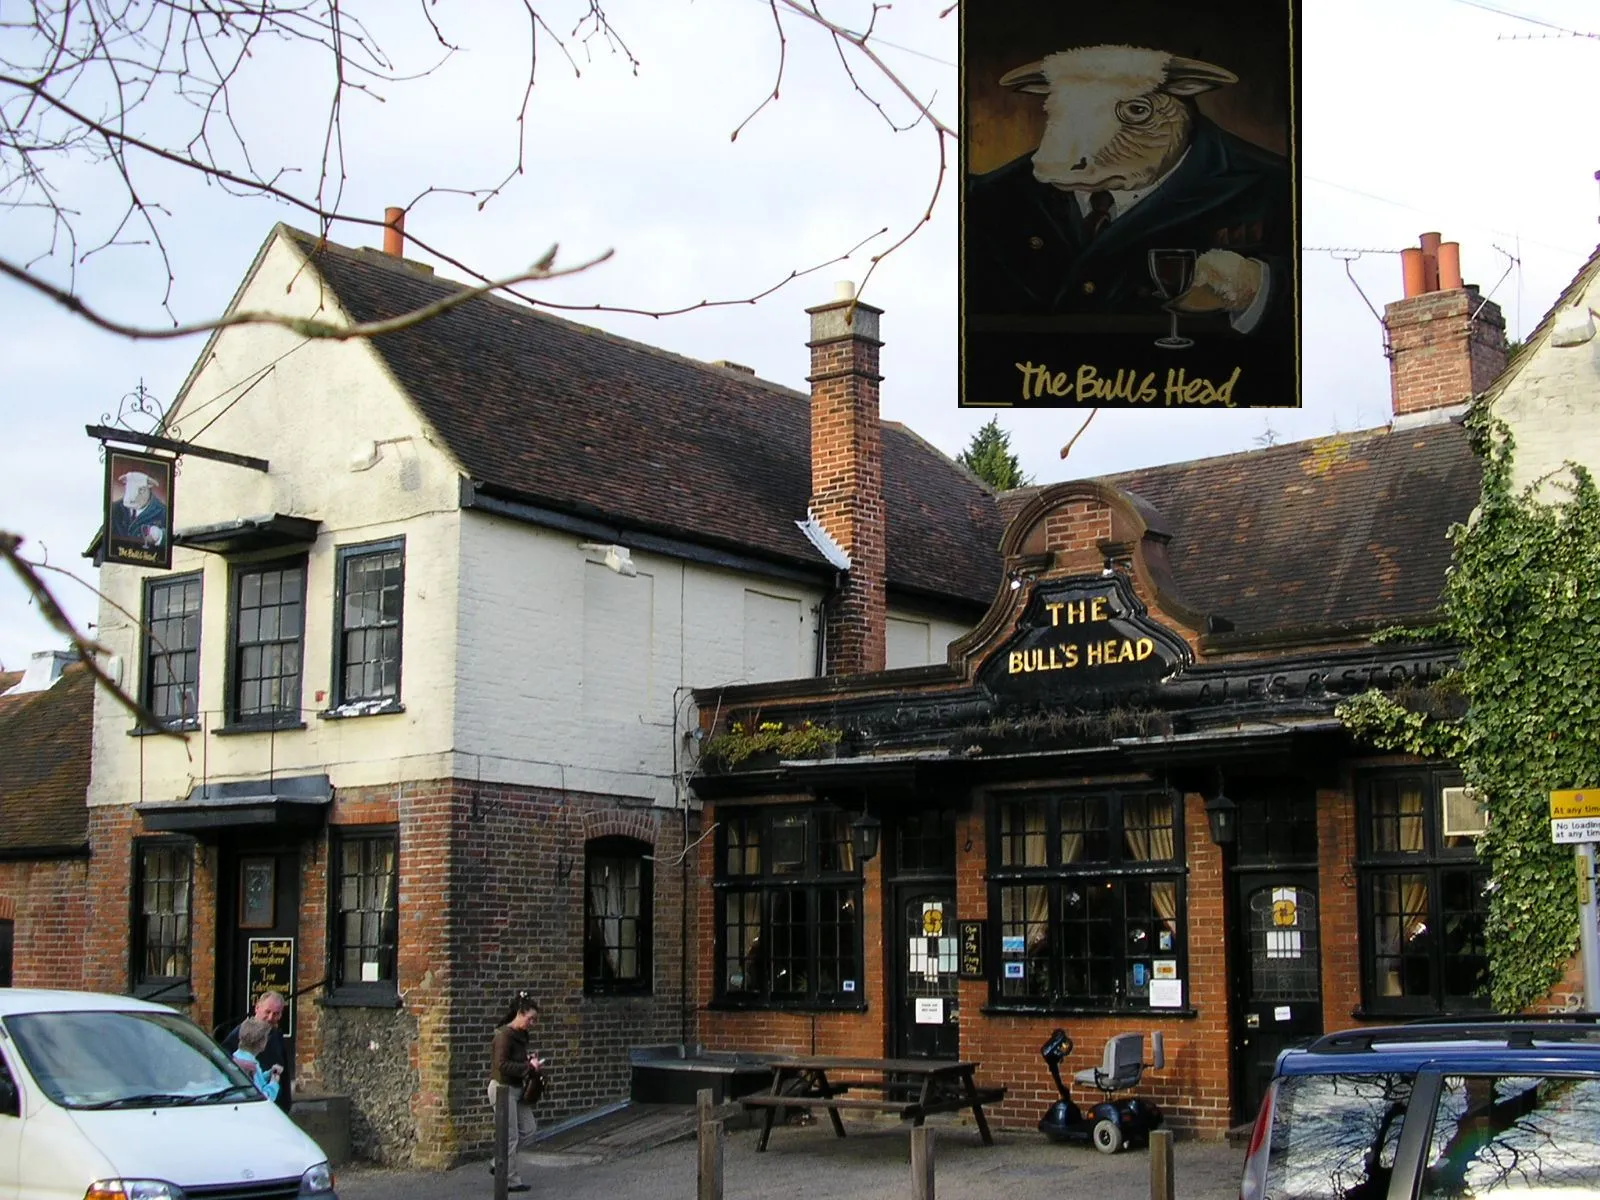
[(112, 1098), (1487, 1106)]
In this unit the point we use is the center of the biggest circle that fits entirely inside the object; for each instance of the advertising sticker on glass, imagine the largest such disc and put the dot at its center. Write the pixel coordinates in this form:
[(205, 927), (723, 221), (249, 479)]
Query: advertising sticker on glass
[(138, 509), (1130, 204)]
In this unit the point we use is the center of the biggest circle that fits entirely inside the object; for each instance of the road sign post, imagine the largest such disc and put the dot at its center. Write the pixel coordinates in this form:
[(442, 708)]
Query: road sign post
[(1575, 819)]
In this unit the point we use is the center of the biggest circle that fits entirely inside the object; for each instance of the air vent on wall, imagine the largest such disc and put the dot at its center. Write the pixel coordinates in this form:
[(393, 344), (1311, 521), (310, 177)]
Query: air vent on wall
[(1463, 813)]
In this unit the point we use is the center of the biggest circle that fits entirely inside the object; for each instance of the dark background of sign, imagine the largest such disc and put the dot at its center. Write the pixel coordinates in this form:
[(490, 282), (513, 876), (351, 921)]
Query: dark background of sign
[(1253, 39), (271, 969)]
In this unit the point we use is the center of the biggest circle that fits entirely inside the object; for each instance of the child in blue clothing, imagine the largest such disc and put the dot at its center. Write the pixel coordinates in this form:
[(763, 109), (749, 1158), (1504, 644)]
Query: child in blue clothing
[(253, 1036)]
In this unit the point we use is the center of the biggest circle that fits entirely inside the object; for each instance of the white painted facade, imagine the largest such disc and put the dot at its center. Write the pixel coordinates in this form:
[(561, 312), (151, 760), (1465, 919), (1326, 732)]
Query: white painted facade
[(1551, 400), (524, 658)]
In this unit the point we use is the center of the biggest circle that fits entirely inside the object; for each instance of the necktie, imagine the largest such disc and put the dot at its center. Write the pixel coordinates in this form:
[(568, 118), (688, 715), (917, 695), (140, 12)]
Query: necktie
[(1099, 214)]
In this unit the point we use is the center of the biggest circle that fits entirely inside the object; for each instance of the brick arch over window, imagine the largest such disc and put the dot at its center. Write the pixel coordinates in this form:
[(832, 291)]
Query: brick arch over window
[(640, 826)]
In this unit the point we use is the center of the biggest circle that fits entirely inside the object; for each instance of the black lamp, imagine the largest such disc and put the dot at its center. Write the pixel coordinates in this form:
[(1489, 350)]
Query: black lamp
[(864, 833), (1223, 815)]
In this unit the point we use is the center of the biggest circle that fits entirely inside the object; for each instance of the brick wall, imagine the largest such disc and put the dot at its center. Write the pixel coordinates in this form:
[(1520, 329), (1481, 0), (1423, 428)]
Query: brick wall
[(47, 902), (847, 477), (1444, 348)]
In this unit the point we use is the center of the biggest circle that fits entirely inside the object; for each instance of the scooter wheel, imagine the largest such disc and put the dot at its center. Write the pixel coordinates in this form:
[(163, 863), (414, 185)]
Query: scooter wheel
[(1107, 1136)]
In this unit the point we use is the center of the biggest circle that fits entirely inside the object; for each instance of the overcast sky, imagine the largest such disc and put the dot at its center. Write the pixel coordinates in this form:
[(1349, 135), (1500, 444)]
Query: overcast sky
[(1417, 115)]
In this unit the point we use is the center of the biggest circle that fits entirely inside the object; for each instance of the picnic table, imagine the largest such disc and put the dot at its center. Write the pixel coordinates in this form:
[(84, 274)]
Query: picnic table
[(909, 1087)]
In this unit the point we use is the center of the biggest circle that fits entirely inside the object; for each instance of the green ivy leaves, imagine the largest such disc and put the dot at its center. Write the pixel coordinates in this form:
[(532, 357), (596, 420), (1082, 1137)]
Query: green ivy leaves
[(1523, 602)]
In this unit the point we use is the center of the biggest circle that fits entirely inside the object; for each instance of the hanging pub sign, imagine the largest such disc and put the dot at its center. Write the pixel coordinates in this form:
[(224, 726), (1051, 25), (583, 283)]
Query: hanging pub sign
[(1083, 640), (1130, 204), (138, 509)]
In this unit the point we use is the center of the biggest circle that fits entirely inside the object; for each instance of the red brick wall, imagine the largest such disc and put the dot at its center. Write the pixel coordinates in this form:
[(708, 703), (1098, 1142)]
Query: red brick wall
[(847, 479), (1438, 356), (47, 903)]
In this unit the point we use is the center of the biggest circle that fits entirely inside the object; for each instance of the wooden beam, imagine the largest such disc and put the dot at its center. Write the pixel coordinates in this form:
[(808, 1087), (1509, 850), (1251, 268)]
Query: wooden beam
[(108, 433)]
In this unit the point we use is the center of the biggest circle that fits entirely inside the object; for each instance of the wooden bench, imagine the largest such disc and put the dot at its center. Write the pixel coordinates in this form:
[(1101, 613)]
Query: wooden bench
[(924, 1087)]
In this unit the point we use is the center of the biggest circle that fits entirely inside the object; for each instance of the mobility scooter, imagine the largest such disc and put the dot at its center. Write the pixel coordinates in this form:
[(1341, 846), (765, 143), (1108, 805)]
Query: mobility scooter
[(1111, 1124)]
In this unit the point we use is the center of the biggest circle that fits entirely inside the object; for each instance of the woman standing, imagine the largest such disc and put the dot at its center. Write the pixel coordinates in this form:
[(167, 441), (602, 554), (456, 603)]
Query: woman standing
[(510, 1062)]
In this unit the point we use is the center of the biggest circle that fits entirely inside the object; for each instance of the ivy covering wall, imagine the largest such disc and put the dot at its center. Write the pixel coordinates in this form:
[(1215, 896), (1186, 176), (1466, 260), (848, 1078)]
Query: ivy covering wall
[(1521, 715)]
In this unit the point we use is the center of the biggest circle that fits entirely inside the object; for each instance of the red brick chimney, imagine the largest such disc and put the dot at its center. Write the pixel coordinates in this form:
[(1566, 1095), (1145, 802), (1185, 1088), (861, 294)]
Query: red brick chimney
[(1446, 343), (847, 475)]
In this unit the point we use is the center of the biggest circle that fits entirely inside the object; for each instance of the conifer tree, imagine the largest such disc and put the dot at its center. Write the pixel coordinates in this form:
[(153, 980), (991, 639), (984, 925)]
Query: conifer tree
[(989, 457)]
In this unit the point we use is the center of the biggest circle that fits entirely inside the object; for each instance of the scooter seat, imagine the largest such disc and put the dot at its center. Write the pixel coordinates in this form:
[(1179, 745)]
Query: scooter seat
[(1121, 1066)]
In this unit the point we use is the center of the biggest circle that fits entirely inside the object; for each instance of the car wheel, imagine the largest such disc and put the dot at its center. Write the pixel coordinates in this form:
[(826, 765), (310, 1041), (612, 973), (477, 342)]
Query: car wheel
[(1107, 1136)]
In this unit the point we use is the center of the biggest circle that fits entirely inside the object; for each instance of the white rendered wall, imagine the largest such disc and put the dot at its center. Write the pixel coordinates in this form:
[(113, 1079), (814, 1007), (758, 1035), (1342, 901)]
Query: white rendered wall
[(1551, 405), (312, 405)]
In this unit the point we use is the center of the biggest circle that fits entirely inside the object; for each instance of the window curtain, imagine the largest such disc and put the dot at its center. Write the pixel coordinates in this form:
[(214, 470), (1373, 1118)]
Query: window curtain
[(1149, 832), (607, 898)]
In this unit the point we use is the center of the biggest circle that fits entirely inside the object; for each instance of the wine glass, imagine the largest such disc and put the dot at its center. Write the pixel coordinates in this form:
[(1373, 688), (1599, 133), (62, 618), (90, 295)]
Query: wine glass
[(1172, 271)]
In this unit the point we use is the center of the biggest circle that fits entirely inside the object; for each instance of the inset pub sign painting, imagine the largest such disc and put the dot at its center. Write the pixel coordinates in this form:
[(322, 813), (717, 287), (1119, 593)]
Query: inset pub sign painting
[(1130, 204), (138, 509)]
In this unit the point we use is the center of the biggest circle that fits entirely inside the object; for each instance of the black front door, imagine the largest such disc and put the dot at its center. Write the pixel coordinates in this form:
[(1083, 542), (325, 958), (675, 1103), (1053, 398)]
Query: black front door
[(258, 944), (1279, 977), (926, 1003)]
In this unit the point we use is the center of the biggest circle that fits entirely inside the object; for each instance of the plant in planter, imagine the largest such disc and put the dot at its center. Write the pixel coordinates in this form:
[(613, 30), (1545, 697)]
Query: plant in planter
[(744, 739)]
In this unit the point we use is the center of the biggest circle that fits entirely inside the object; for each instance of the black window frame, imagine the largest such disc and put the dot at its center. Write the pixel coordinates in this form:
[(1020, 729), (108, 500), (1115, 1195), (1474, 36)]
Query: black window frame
[(156, 651), (596, 981), (281, 717), (385, 991), (1098, 902), (1435, 859), (341, 698), (797, 891), (169, 987)]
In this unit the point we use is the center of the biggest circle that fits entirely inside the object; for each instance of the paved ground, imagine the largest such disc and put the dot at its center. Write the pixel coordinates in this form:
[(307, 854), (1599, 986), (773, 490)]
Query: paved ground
[(809, 1163)]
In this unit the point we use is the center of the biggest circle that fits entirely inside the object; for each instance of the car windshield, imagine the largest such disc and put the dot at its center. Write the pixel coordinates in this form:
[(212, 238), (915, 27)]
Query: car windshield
[(1334, 1136), (1515, 1135), (126, 1060)]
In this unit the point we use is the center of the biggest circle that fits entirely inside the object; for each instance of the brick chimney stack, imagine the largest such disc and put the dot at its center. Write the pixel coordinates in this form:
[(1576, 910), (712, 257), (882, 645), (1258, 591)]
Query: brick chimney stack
[(1446, 343), (847, 475)]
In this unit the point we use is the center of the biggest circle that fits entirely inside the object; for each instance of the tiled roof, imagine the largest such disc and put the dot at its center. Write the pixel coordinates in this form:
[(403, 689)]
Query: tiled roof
[(44, 764), (1339, 530), (595, 425)]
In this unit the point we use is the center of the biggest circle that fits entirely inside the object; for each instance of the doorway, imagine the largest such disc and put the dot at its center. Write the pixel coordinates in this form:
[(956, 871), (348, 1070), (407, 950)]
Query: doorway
[(925, 1003), (1278, 977), (258, 922), (6, 938)]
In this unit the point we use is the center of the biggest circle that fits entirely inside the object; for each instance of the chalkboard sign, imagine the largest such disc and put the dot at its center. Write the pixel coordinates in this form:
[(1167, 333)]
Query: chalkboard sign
[(271, 969), (971, 949)]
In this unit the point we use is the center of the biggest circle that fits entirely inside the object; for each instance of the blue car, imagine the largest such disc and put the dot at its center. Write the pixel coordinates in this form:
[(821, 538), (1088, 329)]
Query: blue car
[(1481, 1107)]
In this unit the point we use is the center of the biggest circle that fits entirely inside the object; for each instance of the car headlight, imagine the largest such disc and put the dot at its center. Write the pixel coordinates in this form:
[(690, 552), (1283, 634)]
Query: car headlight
[(133, 1189), (317, 1180)]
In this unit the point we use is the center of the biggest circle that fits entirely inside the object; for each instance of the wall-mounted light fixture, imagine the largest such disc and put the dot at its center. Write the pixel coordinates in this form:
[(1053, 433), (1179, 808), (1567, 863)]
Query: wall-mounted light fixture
[(1222, 814), (614, 556), (865, 832)]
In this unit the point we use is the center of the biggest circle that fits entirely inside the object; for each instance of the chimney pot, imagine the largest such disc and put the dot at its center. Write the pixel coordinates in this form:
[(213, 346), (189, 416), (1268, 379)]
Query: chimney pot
[(1449, 266), (844, 289), (1412, 271), (394, 232), (1430, 262)]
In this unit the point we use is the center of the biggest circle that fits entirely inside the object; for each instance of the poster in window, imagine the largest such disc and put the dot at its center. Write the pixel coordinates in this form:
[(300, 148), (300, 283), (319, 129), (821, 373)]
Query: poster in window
[(138, 510), (1130, 204), (257, 892)]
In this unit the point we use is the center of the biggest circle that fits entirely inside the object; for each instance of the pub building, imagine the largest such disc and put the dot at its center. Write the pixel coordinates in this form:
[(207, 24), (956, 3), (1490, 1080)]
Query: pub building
[(1125, 802)]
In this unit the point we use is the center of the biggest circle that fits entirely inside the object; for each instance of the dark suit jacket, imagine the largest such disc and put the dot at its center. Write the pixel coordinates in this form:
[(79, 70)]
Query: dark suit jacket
[(276, 1054), (1027, 251)]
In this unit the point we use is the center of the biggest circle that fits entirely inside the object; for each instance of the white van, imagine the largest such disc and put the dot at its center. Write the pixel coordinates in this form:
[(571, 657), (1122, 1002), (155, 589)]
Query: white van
[(111, 1098)]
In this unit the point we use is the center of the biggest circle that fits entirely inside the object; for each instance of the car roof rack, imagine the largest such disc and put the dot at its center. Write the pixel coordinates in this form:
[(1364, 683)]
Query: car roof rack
[(1516, 1032)]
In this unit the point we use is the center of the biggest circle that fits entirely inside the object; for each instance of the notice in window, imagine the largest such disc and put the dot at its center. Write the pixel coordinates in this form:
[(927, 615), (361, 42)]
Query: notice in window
[(1166, 993), (930, 1010)]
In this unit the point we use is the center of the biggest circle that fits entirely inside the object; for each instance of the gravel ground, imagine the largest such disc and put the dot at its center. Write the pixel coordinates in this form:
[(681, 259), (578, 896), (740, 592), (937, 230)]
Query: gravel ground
[(810, 1163)]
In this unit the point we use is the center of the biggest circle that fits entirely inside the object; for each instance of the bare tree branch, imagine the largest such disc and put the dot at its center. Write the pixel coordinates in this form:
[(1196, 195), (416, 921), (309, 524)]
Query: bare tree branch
[(305, 326), (88, 650)]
